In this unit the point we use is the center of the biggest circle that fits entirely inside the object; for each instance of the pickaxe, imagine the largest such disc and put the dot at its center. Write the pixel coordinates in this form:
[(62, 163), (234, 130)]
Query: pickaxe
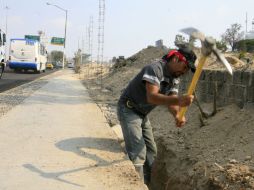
[(208, 46)]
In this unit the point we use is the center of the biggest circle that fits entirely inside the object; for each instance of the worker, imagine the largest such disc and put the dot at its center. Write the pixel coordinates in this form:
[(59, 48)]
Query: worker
[(156, 84)]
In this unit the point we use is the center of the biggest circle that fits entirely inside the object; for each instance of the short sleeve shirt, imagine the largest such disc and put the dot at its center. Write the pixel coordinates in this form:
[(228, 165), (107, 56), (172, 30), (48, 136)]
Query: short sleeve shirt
[(155, 73)]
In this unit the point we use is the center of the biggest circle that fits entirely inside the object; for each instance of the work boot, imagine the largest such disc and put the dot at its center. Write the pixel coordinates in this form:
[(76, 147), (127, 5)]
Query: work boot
[(139, 170), (147, 175), (147, 169)]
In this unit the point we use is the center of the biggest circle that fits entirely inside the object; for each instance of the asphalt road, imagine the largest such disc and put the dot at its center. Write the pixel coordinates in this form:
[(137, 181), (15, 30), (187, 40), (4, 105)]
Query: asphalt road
[(11, 79)]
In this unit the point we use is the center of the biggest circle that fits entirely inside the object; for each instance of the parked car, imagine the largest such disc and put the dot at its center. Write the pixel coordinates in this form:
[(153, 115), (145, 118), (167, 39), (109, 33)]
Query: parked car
[(59, 64), (70, 65), (49, 66)]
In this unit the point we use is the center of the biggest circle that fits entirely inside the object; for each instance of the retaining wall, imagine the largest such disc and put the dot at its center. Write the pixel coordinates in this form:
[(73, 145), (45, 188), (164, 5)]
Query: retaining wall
[(238, 89)]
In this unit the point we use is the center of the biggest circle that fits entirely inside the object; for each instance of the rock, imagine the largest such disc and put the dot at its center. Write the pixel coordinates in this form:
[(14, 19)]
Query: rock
[(247, 158), (228, 166), (233, 161)]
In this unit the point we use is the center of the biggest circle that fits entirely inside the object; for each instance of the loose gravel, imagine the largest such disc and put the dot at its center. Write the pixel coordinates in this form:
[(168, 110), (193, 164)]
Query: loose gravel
[(16, 96)]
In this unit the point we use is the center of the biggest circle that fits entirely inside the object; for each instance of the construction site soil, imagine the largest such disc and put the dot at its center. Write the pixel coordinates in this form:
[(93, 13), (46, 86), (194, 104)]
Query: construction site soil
[(217, 156)]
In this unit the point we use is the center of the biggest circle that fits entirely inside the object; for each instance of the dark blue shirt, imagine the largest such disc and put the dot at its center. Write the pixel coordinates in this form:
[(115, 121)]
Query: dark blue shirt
[(155, 73)]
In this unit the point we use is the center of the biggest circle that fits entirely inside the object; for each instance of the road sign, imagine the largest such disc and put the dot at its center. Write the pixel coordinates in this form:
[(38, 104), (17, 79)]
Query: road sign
[(32, 37), (57, 41)]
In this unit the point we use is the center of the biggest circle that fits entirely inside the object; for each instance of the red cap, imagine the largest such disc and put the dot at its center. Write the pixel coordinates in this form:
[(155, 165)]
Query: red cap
[(179, 55)]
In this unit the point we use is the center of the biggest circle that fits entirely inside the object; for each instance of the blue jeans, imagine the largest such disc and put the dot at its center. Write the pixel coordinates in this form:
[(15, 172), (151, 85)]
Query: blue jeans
[(138, 137)]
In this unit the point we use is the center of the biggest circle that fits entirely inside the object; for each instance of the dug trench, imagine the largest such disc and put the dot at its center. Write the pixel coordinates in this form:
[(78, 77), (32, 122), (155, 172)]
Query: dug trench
[(217, 155)]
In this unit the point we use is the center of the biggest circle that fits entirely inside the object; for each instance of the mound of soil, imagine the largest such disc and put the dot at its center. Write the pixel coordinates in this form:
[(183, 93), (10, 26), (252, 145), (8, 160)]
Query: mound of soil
[(193, 157), (216, 156)]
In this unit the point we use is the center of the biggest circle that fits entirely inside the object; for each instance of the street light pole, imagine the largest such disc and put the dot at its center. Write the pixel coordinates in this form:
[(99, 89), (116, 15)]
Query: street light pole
[(65, 27)]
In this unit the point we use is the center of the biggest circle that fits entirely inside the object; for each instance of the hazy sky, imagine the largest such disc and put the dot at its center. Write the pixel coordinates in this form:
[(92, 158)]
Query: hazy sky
[(130, 25)]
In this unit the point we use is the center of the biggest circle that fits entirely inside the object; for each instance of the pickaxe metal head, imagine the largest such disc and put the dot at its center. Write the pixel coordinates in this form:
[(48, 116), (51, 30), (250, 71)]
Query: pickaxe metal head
[(208, 46)]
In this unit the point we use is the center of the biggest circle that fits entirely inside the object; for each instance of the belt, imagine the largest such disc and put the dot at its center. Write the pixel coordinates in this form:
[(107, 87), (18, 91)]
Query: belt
[(131, 105)]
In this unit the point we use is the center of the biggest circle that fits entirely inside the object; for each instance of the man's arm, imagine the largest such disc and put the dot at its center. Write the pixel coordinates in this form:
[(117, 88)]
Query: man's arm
[(174, 110), (154, 97), (173, 102)]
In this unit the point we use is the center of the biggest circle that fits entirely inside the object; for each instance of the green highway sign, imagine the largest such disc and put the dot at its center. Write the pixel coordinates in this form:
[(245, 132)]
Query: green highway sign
[(57, 41), (32, 37)]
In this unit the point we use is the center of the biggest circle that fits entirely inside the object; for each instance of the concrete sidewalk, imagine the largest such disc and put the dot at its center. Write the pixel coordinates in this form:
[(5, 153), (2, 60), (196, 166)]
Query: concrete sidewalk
[(58, 139)]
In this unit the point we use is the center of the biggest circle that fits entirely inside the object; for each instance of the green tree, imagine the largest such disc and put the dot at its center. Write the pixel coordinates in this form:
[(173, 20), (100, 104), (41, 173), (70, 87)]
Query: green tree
[(245, 45), (232, 35), (221, 45), (56, 56), (241, 46)]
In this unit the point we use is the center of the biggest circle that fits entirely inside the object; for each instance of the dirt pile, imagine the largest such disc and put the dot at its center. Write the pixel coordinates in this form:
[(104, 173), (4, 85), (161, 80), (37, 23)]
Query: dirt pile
[(233, 175), (188, 158), (142, 58), (234, 61)]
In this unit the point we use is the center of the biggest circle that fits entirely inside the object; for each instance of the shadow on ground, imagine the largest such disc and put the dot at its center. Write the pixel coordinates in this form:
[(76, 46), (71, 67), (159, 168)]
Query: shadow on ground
[(76, 145)]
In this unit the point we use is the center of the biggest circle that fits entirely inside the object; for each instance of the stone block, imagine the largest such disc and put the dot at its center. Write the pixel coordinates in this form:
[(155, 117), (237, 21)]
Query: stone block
[(246, 78), (250, 95), (252, 79), (219, 76), (227, 90), (221, 90), (228, 78), (202, 97), (202, 75), (230, 100), (237, 77), (209, 76), (240, 93), (221, 101), (231, 91), (210, 88), (201, 87), (209, 98)]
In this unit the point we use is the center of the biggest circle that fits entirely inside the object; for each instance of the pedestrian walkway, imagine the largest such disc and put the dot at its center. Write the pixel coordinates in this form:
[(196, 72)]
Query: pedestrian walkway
[(58, 139)]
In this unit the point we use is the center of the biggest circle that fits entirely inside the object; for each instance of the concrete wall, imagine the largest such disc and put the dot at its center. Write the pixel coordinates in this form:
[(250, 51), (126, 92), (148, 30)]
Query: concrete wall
[(238, 89)]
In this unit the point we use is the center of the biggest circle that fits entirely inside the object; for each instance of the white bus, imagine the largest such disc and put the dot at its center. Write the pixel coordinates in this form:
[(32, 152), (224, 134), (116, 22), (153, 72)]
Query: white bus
[(27, 54), (2, 52)]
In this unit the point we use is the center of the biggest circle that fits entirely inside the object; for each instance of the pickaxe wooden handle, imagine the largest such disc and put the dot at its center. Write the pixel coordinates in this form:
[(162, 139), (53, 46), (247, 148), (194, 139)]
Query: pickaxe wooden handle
[(193, 83), (208, 47)]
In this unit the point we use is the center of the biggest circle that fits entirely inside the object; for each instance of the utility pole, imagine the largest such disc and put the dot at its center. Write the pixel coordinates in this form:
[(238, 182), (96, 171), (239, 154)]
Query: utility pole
[(246, 24), (101, 21), (90, 37), (87, 50), (81, 58)]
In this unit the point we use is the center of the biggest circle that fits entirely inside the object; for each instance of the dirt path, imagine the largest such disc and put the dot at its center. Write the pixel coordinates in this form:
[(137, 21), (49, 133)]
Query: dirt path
[(59, 139)]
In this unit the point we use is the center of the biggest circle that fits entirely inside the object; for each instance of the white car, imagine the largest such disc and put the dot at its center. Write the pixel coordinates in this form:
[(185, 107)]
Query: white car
[(70, 65)]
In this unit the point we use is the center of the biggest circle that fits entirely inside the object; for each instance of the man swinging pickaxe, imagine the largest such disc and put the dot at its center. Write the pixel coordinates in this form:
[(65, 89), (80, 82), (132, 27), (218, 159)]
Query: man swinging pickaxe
[(208, 47)]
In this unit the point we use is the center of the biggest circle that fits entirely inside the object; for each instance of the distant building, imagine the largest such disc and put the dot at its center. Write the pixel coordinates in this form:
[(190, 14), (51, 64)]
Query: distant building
[(159, 43)]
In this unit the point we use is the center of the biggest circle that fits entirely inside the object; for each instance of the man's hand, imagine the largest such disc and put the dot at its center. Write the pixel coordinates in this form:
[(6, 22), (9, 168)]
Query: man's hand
[(185, 100), (174, 110), (180, 122)]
